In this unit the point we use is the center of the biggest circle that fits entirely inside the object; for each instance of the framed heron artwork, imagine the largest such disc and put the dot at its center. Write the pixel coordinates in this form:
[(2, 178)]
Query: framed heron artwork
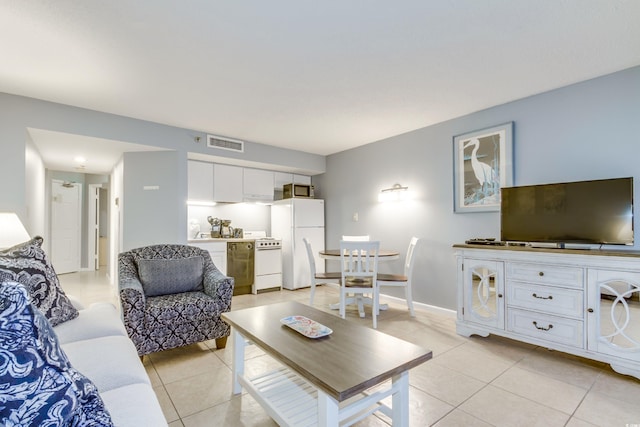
[(483, 164)]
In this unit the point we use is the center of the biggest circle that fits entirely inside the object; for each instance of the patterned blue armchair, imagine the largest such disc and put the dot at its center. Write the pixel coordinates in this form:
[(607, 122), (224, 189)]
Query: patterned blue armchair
[(171, 296)]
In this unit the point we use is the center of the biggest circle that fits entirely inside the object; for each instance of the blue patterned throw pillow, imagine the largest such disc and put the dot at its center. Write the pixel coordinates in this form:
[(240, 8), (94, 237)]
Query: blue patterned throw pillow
[(38, 385), (27, 263)]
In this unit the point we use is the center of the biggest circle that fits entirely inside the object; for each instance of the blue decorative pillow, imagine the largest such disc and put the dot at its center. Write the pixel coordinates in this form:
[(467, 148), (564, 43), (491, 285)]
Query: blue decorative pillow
[(38, 385), (27, 263)]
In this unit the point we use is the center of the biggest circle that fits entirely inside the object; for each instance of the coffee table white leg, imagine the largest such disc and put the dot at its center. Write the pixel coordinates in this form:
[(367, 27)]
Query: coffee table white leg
[(238, 360), (327, 410), (400, 400)]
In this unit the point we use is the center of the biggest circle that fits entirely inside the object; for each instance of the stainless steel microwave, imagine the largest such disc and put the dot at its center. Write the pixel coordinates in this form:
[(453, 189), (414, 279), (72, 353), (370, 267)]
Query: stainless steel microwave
[(297, 190)]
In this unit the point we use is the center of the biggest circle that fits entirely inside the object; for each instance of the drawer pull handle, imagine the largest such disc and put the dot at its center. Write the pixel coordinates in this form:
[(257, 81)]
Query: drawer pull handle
[(542, 328), (536, 296), (541, 273)]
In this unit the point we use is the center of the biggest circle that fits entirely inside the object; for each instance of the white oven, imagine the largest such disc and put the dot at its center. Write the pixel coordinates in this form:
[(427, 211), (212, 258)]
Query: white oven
[(268, 265)]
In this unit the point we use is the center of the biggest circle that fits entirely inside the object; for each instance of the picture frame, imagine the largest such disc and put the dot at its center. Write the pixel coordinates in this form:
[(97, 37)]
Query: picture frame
[(482, 165)]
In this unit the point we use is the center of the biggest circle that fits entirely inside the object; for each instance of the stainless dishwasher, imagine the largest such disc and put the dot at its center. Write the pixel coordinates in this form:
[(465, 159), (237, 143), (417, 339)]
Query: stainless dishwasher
[(240, 265)]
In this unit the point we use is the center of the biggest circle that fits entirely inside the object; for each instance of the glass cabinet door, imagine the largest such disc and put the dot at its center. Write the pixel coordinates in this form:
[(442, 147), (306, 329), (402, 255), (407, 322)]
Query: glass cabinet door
[(483, 292), (614, 313)]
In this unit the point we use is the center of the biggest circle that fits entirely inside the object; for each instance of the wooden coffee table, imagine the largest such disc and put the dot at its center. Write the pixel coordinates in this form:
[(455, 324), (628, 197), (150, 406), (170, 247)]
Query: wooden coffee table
[(319, 375)]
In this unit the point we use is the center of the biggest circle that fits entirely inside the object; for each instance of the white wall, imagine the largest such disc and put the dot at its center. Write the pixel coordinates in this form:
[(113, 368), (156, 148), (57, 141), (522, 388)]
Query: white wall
[(153, 204), (116, 192), (584, 131), (35, 193)]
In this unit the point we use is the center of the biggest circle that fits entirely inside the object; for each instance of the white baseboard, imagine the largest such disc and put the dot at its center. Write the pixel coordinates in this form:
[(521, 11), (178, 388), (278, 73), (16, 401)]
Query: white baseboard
[(420, 306)]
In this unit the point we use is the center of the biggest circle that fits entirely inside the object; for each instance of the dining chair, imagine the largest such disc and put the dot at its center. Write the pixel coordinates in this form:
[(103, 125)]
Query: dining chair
[(358, 238), (330, 278), (360, 275), (402, 280)]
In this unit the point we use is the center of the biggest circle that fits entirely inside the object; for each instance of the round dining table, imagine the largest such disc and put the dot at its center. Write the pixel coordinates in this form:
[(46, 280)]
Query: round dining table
[(383, 254)]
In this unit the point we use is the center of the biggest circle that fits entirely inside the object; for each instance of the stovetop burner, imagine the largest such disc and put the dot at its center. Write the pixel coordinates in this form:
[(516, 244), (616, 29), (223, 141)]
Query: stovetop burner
[(262, 241)]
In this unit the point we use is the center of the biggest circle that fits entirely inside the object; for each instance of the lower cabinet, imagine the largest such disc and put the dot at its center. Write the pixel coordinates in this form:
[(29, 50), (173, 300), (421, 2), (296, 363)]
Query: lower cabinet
[(483, 303), (218, 252), (614, 312), (583, 302)]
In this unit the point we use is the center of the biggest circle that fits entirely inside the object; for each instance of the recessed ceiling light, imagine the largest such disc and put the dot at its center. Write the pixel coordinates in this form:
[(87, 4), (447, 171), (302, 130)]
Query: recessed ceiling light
[(79, 159)]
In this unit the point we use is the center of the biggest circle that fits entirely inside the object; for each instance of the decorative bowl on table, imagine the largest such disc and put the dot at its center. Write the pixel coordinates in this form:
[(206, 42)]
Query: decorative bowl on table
[(307, 327)]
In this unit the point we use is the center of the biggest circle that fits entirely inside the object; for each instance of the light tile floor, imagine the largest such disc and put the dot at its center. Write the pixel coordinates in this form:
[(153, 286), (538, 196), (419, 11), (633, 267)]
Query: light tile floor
[(469, 382)]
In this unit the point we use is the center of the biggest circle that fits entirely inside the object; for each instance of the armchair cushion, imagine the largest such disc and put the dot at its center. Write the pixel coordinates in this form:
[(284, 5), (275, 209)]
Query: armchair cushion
[(164, 318), (39, 385), (27, 264), (171, 276)]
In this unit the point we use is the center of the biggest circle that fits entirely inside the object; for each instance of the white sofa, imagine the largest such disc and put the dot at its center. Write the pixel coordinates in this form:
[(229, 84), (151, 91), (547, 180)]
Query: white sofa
[(97, 345)]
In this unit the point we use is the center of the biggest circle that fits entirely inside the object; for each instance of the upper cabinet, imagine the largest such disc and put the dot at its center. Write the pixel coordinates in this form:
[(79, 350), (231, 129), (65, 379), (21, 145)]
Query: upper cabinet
[(283, 178), (258, 185), (227, 183), (214, 182), (280, 179), (301, 179), (200, 177)]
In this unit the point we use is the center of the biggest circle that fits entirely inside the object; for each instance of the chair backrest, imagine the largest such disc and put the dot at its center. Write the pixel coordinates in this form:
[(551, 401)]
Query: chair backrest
[(360, 260), (410, 260), (312, 261), (157, 266), (363, 238)]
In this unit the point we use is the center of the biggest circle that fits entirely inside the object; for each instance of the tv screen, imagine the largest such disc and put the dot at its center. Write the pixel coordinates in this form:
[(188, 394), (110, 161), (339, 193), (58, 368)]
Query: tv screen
[(594, 212)]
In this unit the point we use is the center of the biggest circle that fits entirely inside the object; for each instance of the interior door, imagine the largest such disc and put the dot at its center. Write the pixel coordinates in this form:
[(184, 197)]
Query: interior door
[(93, 227), (66, 220)]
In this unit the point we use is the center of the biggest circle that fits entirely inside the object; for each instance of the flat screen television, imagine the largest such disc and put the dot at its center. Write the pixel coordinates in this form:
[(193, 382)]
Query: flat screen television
[(585, 212)]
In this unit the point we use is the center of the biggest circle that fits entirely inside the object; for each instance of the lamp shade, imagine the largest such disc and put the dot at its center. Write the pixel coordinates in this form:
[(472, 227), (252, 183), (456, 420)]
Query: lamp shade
[(12, 231)]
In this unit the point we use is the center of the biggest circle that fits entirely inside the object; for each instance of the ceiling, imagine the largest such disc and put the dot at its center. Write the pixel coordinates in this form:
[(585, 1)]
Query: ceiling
[(320, 77), (65, 152)]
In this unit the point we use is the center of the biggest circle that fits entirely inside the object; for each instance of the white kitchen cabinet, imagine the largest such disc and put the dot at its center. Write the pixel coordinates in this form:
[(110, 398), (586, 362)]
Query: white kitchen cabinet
[(218, 252), (200, 181), (227, 183), (215, 182), (301, 179), (282, 178), (582, 302), (258, 185)]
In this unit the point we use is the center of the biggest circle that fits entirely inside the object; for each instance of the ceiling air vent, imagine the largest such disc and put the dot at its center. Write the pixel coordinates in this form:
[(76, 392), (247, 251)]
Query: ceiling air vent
[(223, 143)]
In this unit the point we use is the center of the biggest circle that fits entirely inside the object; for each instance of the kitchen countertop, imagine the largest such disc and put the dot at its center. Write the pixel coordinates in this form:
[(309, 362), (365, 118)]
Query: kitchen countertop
[(219, 239)]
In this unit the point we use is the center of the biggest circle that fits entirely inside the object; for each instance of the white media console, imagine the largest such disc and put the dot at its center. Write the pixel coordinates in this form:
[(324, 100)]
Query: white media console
[(583, 302)]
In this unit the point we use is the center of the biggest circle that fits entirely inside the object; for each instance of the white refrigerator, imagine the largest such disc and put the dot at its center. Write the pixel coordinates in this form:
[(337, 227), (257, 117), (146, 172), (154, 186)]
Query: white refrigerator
[(292, 220)]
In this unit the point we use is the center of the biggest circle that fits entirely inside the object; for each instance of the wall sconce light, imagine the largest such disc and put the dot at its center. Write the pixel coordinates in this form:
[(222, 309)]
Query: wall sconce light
[(12, 231), (395, 193)]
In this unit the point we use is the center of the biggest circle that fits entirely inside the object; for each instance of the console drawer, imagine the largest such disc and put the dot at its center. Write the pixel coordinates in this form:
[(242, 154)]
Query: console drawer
[(546, 327), (550, 299), (571, 277)]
